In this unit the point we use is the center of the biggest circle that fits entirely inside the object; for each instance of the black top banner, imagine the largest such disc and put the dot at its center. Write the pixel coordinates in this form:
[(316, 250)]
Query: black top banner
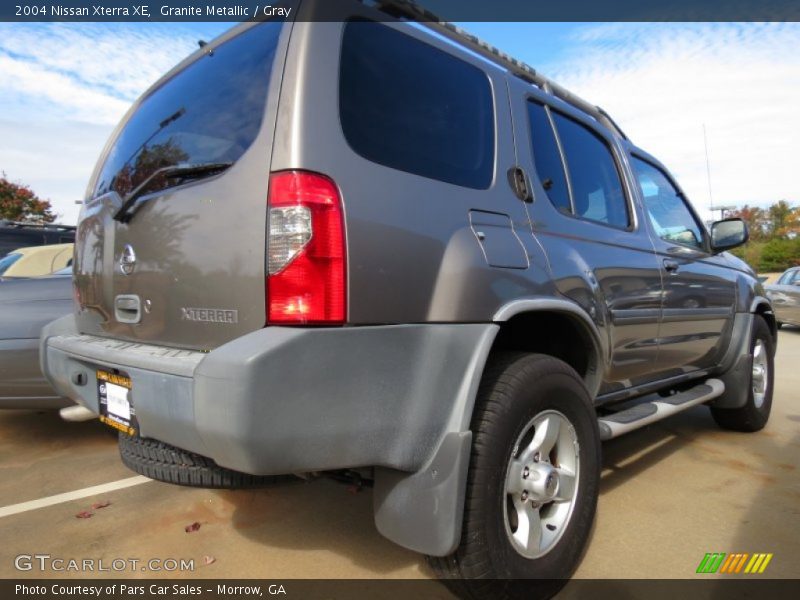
[(447, 10)]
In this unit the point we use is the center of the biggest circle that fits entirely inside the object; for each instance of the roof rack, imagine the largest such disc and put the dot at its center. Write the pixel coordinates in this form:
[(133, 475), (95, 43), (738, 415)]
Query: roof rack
[(413, 11), (37, 225)]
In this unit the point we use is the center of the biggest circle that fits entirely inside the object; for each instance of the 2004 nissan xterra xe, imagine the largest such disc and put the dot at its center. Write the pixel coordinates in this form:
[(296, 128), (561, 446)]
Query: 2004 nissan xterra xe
[(362, 243)]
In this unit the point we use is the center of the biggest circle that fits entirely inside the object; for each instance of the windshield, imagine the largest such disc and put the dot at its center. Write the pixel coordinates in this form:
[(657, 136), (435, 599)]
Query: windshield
[(208, 113), (8, 260)]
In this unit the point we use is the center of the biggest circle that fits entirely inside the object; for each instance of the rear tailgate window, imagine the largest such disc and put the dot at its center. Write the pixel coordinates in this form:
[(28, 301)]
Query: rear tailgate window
[(210, 112)]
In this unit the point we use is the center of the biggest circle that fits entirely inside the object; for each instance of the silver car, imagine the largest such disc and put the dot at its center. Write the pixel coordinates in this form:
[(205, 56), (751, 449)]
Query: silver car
[(785, 296), (26, 305)]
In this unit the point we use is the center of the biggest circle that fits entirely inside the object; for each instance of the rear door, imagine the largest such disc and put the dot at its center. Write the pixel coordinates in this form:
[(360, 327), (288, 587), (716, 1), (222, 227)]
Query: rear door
[(185, 264), (584, 214), (699, 287)]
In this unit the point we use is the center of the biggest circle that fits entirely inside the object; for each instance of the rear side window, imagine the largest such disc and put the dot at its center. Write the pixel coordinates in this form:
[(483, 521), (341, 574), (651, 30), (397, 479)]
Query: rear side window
[(596, 187), (412, 107), (208, 113)]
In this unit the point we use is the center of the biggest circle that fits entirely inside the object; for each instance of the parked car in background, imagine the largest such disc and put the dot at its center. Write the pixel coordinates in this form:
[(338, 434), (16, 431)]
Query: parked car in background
[(36, 261), (22, 235), (26, 305), (785, 296)]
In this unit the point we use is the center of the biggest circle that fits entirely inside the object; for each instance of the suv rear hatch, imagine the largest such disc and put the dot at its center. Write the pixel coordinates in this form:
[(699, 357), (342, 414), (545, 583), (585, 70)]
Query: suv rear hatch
[(170, 248)]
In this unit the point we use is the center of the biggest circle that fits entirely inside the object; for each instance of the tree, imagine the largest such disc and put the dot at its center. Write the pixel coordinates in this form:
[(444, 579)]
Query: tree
[(780, 217), (149, 160), (779, 254), (19, 203), (756, 219)]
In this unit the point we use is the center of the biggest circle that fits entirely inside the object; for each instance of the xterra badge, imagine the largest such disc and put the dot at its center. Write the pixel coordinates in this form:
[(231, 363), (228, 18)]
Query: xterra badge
[(210, 315)]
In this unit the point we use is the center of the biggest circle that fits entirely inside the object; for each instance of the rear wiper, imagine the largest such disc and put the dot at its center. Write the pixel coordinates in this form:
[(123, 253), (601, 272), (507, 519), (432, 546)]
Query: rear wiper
[(125, 212)]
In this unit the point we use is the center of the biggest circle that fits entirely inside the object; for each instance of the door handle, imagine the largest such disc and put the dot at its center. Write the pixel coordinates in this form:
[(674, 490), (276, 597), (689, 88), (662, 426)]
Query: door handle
[(670, 266), (518, 181)]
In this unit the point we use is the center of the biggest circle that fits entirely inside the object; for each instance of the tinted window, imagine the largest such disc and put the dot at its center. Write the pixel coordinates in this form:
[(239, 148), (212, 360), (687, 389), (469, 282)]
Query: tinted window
[(547, 157), (596, 187), (409, 106), (671, 219), (789, 277), (208, 113)]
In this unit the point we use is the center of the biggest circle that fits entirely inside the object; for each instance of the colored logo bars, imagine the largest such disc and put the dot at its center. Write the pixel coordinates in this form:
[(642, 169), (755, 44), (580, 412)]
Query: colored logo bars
[(719, 562)]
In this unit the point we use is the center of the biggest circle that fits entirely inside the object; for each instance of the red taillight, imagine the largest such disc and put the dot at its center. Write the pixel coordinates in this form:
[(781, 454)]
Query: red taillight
[(306, 259)]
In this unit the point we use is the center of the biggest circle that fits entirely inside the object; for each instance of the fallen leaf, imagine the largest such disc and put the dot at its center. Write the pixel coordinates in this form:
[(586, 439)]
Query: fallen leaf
[(193, 527), (84, 514), (102, 504), (207, 560)]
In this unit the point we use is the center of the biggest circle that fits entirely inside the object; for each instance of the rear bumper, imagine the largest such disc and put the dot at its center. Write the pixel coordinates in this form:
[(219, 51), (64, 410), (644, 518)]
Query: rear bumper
[(285, 400)]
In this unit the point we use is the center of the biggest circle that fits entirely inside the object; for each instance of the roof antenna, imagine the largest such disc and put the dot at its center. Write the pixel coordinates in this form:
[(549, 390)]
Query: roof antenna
[(202, 43), (708, 172)]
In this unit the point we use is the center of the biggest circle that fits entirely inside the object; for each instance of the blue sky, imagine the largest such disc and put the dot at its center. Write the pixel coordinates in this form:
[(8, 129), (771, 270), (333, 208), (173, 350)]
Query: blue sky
[(63, 88)]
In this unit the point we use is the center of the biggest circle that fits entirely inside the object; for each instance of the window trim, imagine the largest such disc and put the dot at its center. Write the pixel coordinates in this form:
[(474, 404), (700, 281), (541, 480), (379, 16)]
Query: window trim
[(564, 164), (705, 248), (633, 221)]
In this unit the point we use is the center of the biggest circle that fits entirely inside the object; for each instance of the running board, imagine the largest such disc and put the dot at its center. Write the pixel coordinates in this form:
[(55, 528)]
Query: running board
[(614, 425)]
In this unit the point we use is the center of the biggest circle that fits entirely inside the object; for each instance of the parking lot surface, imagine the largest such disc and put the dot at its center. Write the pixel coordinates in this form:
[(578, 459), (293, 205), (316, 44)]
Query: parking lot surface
[(670, 493)]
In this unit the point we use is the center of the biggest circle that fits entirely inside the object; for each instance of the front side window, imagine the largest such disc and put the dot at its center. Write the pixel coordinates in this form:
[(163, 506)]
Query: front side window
[(596, 186), (412, 107), (671, 219)]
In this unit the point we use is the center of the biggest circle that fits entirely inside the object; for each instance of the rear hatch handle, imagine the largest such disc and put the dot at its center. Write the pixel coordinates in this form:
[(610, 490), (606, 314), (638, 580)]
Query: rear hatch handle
[(128, 308), (183, 171)]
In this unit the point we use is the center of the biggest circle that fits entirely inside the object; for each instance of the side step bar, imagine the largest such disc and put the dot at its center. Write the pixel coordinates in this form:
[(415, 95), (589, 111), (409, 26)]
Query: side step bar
[(612, 426)]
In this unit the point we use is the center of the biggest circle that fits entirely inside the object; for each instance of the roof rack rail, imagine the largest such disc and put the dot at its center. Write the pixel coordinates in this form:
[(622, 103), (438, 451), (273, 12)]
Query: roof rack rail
[(413, 11), (38, 225)]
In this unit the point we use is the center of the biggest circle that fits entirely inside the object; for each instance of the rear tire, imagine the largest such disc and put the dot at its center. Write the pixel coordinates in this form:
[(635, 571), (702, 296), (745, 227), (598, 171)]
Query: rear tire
[(753, 416), (533, 481), (169, 464)]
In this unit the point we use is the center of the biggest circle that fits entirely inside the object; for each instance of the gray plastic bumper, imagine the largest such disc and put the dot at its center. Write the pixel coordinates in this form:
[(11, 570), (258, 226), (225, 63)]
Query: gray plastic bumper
[(289, 400), (283, 400)]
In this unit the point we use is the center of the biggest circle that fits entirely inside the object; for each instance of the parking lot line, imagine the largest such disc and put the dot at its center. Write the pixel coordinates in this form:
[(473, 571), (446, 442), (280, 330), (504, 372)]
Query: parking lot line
[(104, 488)]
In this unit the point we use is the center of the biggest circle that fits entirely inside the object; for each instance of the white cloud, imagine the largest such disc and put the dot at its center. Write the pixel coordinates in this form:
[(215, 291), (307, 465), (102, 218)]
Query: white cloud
[(663, 82), (91, 71), (65, 87)]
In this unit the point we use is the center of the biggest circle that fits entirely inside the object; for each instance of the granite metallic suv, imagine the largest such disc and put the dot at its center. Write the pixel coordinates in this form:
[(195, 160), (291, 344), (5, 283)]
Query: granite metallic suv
[(367, 243)]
